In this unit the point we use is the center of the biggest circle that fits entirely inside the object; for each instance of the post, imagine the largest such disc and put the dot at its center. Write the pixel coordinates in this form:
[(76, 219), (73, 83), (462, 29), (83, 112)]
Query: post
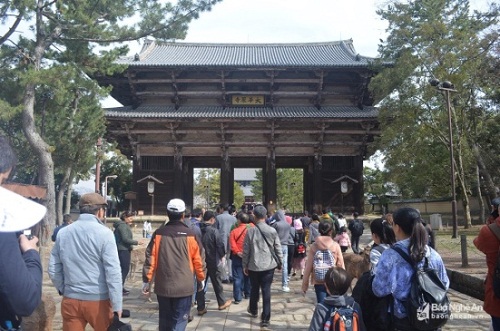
[(98, 165), (463, 245), (452, 169), (152, 204)]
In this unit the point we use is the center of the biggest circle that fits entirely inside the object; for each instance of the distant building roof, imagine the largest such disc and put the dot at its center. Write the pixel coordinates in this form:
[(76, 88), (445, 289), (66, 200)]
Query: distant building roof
[(179, 54), (155, 111), (244, 174)]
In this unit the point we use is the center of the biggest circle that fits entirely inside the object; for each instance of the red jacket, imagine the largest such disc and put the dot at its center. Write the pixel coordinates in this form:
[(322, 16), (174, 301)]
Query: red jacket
[(237, 237), (488, 243)]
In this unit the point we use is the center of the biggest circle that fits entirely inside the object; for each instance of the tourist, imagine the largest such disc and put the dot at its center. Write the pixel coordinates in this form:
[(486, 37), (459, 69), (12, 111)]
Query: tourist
[(262, 254), (224, 221), (393, 274), (125, 242), (175, 245), (322, 243), (67, 220), (337, 283), (214, 255), (488, 242), (356, 227), (342, 238), (21, 274), (85, 269), (283, 229), (241, 282)]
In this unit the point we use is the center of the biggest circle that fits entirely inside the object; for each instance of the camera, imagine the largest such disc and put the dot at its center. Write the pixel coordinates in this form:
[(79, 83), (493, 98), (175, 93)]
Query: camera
[(27, 233)]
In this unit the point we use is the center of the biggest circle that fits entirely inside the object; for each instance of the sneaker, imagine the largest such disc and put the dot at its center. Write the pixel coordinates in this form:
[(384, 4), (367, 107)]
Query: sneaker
[(202, 312), (225, 305), (285, 289), (294, 274), (125, 292), (236, 302), (264, 325), (254, 315)]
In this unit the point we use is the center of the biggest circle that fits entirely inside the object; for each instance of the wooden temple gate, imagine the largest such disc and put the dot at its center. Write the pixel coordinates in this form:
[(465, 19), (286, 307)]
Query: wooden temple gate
[(229, 106)]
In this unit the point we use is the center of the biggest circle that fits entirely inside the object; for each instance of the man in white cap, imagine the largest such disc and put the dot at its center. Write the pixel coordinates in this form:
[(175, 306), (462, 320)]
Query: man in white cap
[(172, 257), (20, 267), (85, 269)]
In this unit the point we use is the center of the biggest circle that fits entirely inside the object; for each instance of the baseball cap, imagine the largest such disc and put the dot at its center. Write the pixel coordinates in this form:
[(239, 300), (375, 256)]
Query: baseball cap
[(18, 213), (92, 199), (176, 206)]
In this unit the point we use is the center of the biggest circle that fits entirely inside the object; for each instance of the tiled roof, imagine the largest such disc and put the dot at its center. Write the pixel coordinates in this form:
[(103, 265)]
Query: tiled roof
[(178, 54), (330, 112)]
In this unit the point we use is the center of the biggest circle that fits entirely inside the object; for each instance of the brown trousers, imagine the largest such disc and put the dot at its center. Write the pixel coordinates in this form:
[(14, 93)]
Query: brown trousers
[(77, 313)]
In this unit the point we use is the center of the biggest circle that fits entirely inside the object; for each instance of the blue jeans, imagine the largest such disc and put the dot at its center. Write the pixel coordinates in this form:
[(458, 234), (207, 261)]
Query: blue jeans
[(321, 294), (284, 268), (261, 280), (241, 282), (173, 313)]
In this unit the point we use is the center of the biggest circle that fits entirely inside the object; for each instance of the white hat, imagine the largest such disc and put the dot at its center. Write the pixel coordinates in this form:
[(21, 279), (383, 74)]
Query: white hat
[(176, 206), (18, 213)]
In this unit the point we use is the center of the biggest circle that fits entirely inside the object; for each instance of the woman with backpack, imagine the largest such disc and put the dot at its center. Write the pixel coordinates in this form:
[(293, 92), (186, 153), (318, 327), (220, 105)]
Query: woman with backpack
[(323, 254), (394, 274)]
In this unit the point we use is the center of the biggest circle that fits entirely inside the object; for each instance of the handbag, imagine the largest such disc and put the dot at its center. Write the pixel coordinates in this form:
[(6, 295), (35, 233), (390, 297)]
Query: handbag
[(118, 325), (273, 253)]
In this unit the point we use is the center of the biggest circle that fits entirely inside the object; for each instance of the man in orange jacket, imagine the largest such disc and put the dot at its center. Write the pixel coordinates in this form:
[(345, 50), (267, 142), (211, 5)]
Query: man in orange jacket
[(173, 289)]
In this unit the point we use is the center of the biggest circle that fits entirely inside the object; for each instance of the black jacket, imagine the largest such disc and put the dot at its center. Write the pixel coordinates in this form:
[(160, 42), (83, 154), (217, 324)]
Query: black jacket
[(213, 245), (20, 280)]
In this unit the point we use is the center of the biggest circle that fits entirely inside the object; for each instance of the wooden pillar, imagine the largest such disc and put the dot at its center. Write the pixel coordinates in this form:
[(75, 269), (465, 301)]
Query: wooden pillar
[(359, 187), (226, 178), (178, 173), (188, 184), (317, 183), (270, 190), (309, 185)]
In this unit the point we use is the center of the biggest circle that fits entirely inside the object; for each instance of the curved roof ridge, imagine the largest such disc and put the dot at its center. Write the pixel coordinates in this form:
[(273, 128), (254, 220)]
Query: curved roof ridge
[(223, 44)]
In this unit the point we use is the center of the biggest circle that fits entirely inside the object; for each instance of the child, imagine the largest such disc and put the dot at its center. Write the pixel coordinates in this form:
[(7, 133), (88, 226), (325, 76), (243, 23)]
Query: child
[(337, 282), (343, 239)]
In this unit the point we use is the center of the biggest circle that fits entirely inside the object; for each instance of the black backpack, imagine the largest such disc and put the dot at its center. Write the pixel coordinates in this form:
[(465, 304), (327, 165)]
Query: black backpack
[(428, 307), (496, 272)]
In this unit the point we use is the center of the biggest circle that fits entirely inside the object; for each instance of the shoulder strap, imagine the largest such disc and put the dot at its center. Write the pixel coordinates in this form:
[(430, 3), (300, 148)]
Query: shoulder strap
[(242, 233), (404, 255)]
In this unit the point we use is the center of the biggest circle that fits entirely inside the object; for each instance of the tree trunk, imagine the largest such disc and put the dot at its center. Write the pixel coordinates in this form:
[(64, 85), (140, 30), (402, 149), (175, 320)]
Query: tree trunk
[(480, 200), (63, 187), (491, 189), (67, 206), (46, 164)]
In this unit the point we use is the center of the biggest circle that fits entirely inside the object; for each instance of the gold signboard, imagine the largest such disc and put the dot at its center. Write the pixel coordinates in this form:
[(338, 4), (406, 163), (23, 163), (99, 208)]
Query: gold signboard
[(247, 100)]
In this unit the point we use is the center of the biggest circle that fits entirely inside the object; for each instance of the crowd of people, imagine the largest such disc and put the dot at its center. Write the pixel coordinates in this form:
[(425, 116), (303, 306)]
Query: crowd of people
[(89, 264)]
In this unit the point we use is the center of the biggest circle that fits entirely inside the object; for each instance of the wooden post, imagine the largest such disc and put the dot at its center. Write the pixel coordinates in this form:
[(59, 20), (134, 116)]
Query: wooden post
[(463, 245)]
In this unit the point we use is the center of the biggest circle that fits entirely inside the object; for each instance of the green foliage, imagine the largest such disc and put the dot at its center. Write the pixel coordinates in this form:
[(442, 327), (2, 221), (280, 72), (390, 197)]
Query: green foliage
[(117, 164), (45, 74), (290, 189), (207, 186), (428, 39)]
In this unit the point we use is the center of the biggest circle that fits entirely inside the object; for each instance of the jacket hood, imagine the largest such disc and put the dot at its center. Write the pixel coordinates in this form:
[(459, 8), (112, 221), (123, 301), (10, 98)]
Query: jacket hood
[(323, 242), (279, 216), (335, 300), (118, 223)]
